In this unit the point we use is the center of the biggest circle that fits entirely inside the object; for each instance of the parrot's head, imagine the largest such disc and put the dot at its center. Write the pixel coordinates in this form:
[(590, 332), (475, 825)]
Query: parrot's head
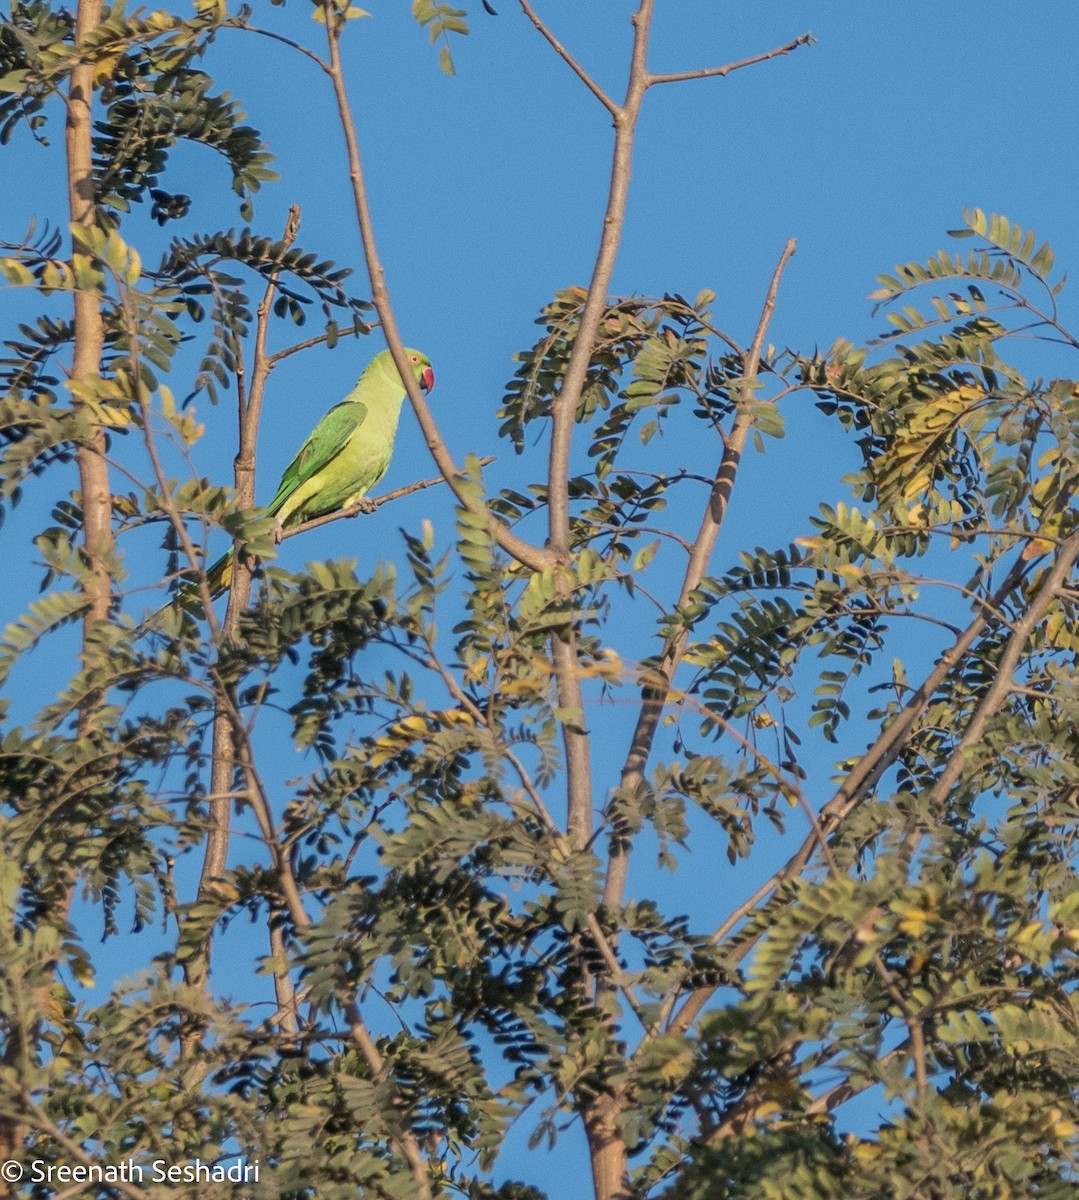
[(421, 366)]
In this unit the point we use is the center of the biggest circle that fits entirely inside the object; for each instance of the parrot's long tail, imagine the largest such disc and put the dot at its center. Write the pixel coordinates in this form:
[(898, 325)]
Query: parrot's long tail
[(218, 579)]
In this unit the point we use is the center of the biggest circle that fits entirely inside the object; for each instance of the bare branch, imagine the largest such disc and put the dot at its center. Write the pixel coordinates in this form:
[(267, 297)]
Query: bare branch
[(285, 41), (565, 403), (89, 325), (806, 39), (569, 60), (563, 415), (753, 360), (306, 344)]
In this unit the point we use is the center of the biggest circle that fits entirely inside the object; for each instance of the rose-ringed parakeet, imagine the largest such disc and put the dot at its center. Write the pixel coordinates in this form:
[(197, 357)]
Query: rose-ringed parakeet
[(346, 454)]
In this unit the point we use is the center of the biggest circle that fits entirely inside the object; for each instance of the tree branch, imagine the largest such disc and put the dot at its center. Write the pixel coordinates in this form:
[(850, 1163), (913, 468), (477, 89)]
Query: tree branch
[(94, 482), (1003, 677), (599, 937), (318, 340), (564, 407), (285, 41), (165, 498), (224, 755), (248, 412), (563, 416), (290, 892), (806, 39), (73, 1148), (569, 60)]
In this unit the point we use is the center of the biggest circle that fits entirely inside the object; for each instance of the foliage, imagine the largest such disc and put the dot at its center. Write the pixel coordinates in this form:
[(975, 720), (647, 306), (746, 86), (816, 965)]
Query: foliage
[(435, 956)]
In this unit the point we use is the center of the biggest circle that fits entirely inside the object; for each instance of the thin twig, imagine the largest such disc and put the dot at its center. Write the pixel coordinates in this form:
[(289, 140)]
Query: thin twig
[(165, 499), (306, 344), (569, 60), (757, 345), (806, 39), (827, 1101), (285, 41)]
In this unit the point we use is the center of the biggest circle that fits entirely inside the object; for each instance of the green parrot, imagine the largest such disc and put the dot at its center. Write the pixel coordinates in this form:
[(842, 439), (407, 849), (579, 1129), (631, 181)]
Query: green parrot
[(346, 454)]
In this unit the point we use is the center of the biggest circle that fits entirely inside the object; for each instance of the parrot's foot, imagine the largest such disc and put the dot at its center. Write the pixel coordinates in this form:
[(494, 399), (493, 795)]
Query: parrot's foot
[(364, 505)]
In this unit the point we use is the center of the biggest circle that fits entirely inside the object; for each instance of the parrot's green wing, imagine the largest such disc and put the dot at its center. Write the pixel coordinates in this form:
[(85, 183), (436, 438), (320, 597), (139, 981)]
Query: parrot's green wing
[(327, 440)]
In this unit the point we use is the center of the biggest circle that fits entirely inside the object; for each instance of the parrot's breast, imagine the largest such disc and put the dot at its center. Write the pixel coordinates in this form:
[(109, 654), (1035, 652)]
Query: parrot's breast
[(347, 477)]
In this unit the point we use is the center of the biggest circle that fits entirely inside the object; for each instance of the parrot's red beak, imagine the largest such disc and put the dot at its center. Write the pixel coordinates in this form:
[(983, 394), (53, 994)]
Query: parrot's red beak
[(427, 379)]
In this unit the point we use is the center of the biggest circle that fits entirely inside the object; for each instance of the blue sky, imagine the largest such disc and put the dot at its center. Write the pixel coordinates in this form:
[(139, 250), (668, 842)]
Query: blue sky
[(488, 190)]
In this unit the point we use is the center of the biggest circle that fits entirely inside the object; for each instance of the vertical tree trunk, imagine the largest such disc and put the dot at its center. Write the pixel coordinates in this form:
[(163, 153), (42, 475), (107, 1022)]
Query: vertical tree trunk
[(89, 328), (607, 1150), (90, 455)]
